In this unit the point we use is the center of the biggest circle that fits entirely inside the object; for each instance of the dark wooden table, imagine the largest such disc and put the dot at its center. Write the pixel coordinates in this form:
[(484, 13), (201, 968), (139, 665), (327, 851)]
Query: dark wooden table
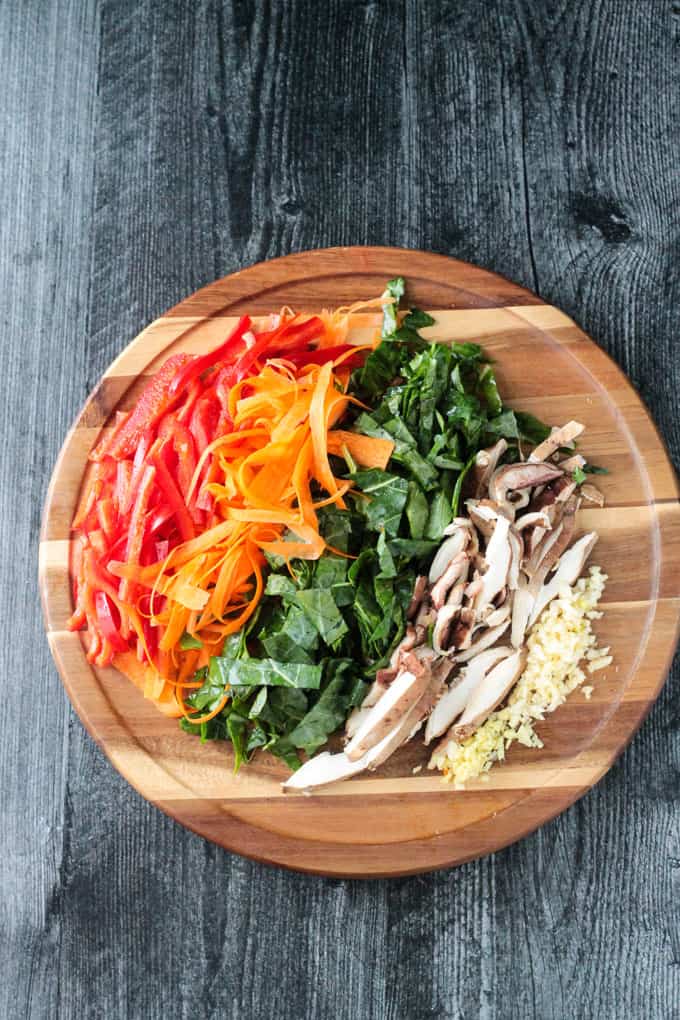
[(147, 148)]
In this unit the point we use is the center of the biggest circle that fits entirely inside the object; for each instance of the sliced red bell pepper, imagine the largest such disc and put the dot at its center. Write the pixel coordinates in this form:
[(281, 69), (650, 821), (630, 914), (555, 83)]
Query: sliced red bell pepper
[(156, 399), (138, 518), (107, 622), (107, 517), (122, 484), (109, 436), (204, 420), (233, 374), (194, 391), (162, 549), (296, 334), (138, 466), (157, 518), (198, 365), (179, 438), (173, 497), (324, 354)]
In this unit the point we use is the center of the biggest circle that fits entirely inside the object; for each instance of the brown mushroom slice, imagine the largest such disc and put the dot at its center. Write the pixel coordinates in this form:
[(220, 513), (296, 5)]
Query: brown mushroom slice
[(483, 516), (534, 519), (592, 494), (419, 589), (557, 438), (498, 555), (440, 633), (572, 463), (456, 697), (540, 551), (456, 571), (472, 547), (449, 549), (568, 570), (462, 629), (565, 491), (383, 679), (551, 548), (487, 638), (392, 707), (484, 465), (445, 617), (495, 686), (512, 477), (409, 726)]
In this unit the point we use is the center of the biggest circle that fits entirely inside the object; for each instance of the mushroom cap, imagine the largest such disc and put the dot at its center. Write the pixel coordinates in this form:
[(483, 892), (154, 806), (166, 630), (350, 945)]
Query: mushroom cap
[(522, 475)]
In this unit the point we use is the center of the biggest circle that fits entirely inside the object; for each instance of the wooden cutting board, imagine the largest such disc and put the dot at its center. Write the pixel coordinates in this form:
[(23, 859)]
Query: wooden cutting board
[(402, 819)]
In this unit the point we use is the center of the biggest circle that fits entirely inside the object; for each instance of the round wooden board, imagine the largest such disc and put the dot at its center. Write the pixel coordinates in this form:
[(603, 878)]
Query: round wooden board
[(400, 821)]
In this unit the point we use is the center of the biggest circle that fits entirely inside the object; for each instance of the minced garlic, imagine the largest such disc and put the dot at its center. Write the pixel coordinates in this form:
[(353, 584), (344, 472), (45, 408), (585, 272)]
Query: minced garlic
[(559, 640)]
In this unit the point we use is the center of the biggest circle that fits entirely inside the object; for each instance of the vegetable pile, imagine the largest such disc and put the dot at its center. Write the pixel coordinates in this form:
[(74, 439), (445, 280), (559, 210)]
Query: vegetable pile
[(252, 535), (325, 628), (188, 492)]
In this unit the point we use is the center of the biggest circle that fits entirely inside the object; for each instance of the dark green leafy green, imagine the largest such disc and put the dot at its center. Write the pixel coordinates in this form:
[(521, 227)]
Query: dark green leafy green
[(189, 641)]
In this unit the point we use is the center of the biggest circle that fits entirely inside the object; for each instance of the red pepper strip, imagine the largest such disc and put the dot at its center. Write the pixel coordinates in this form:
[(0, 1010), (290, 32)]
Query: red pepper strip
[(98, 542), (296, 334), (109, 435), (92, 493), (182, 442), (198, 365), (122, 483), (107, 517), (240, 369), (174, 498), (204, 421), (108, 628), (189, 402), (136, 532), (157, 518), (162, 549), (156, 399), (138, 466), (321, 356)]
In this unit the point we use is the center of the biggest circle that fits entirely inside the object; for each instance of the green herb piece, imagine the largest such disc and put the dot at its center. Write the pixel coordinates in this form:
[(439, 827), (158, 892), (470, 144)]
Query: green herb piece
[(188, 641), (395, 288), (387, 498), (265, 672), (455, 502), (320, 609), (417, 510)]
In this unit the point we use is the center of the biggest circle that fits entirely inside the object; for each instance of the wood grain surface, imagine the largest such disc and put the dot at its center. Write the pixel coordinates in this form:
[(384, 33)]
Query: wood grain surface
[(149, 149), (395, 822)]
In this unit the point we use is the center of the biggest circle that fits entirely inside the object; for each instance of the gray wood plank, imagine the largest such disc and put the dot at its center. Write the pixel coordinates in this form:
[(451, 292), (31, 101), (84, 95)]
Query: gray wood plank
[(149, 148)]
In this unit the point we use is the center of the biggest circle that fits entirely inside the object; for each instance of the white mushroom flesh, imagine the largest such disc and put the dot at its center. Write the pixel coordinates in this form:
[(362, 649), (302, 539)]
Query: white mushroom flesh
[(557, 438), (488, 638), (568, 569), (494, 687), (498, 559), (400, 696), (447, 551), (456, 697)]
